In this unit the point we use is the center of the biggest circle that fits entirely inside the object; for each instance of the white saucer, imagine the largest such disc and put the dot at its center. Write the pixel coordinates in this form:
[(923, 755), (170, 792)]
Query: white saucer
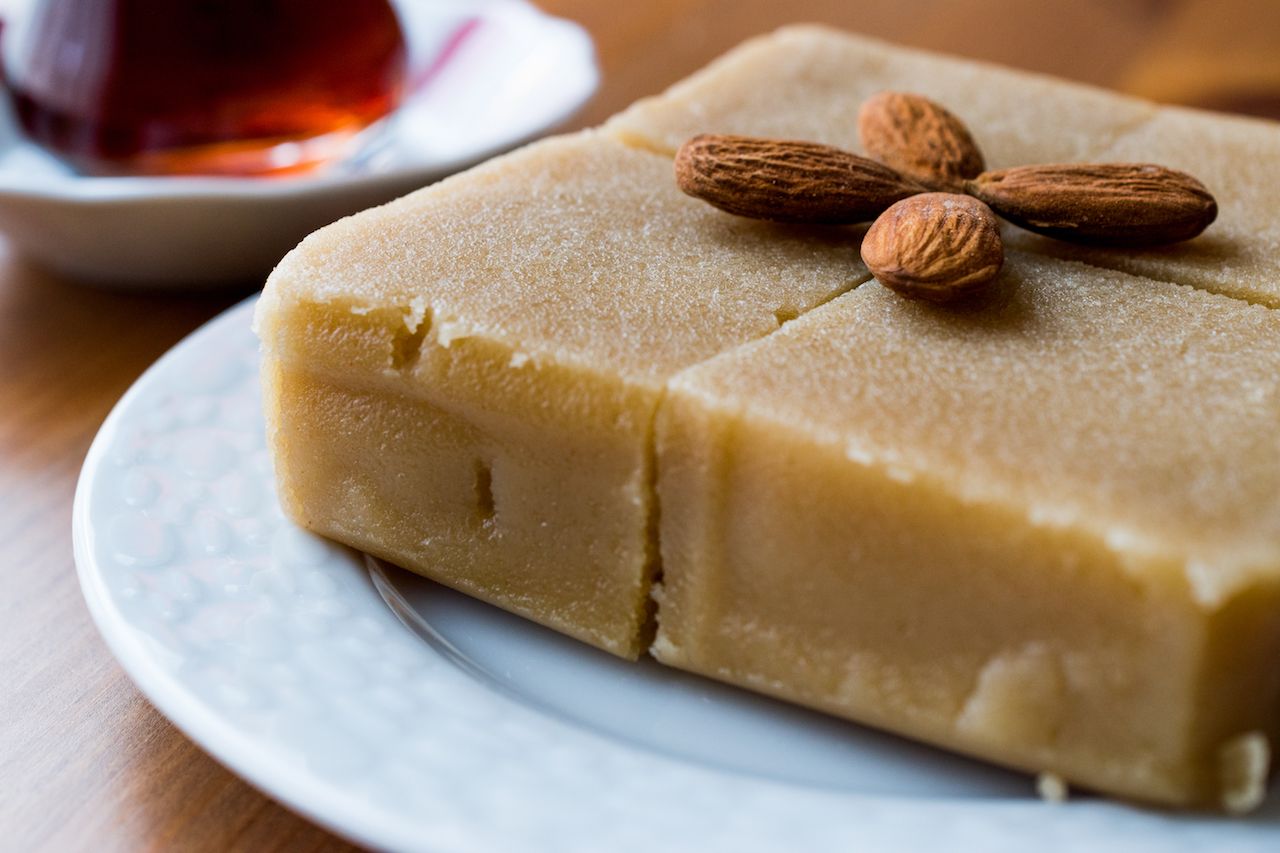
[(515, 74), (471, 730)]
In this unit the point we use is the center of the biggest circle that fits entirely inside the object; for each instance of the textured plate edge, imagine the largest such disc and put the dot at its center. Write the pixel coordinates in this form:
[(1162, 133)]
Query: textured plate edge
[(212, 735)]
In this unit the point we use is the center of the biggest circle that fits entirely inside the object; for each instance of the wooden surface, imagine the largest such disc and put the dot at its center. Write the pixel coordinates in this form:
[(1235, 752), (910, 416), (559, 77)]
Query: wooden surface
[(85, 762)]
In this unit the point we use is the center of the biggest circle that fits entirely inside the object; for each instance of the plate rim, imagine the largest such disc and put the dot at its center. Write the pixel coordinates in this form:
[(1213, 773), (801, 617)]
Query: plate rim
[(194, 719)]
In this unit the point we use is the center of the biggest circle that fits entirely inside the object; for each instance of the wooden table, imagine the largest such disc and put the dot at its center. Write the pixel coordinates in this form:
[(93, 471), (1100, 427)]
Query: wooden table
[(85, 762)]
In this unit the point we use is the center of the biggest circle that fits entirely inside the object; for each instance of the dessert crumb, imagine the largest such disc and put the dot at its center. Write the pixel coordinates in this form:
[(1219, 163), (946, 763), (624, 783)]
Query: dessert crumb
[(1052, 788)]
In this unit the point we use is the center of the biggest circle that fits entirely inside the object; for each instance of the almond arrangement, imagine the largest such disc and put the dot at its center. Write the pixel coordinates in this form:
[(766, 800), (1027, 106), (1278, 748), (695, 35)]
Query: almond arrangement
[(934, 233)]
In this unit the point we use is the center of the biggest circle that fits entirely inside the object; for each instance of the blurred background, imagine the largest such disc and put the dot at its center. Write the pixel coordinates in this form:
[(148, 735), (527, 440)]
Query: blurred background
[(1217, 54)]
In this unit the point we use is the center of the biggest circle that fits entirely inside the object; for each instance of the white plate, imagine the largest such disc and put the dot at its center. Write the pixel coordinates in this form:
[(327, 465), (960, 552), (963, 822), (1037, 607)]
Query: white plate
[(472, 730), (516, 73)]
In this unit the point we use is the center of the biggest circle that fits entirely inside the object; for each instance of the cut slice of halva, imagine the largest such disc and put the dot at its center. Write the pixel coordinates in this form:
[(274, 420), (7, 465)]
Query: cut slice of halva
[(1044, 529), (464, 381)]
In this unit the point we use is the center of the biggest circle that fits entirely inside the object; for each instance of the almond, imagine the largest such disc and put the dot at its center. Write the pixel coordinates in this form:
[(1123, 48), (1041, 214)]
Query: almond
[(937, 246), (1104, 204), (787, 181), (920, 139)]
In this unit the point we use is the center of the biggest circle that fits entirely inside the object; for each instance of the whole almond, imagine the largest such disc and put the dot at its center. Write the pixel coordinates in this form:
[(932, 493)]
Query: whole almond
[(920, 139), (787, 181), (936, 246), (1104, 204)]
